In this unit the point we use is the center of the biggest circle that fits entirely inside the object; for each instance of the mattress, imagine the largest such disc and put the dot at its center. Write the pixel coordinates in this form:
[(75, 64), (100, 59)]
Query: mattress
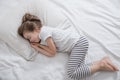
[(98, 20)]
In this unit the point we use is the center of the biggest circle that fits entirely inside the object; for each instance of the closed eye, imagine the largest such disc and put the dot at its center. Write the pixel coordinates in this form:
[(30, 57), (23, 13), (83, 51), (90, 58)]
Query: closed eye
[(28, 38)]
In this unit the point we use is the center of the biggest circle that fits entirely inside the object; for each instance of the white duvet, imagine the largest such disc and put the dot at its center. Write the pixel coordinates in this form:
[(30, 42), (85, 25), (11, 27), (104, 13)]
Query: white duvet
[(99, 20)]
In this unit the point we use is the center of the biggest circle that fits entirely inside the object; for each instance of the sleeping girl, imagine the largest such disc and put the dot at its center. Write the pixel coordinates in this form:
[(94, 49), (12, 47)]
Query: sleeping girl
[(58, 40)]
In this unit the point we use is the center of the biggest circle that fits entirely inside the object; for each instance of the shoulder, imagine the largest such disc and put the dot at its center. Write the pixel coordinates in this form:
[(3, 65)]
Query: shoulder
[(45, 32)]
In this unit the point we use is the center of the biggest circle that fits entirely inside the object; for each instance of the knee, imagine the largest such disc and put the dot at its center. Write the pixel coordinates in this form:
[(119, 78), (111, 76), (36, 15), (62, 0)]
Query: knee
[(71, 75)]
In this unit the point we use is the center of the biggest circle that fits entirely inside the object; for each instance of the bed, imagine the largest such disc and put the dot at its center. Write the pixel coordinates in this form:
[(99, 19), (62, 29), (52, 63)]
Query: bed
[(98, 20)]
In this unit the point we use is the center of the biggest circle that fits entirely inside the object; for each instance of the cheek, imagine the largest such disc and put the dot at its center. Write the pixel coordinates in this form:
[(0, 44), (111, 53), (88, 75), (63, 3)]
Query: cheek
[(35, 36)]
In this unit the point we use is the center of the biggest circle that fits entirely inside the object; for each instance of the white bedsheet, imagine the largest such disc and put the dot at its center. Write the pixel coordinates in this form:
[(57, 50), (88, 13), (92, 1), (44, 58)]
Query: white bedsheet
[(99, 20)]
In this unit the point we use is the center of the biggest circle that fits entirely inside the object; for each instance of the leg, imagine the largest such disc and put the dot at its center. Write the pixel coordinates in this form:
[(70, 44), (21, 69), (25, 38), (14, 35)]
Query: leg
[(76, 67)]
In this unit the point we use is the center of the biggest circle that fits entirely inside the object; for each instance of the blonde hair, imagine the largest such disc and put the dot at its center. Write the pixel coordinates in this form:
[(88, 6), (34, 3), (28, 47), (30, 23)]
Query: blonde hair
[(29, 23)]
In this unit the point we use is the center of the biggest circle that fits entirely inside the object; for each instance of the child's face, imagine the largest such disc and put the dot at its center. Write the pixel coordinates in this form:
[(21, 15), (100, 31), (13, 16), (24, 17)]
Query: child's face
[(32, 36)]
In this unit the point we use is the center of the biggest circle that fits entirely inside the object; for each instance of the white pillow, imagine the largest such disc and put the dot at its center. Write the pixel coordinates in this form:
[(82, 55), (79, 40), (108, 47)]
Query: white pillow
[(49, 13), (9, 22)]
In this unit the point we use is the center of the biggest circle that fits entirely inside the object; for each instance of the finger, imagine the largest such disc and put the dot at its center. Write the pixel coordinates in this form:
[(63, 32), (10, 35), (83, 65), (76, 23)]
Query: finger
[(34, 44), (33, 47), (31, 43)]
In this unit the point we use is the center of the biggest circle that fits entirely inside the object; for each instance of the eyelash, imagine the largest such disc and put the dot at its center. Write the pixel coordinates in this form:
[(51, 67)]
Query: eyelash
[(28, 38)]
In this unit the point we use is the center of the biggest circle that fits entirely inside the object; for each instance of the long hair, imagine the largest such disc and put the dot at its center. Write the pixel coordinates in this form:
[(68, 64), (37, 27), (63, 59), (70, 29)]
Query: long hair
[(29, 23)]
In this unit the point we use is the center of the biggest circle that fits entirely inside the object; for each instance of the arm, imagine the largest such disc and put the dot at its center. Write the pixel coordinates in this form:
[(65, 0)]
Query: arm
[(48, 50), (44, 52), (51, 48)]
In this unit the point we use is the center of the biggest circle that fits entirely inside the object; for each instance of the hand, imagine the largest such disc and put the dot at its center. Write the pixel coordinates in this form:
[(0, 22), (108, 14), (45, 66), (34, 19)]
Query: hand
[(35, 45)]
